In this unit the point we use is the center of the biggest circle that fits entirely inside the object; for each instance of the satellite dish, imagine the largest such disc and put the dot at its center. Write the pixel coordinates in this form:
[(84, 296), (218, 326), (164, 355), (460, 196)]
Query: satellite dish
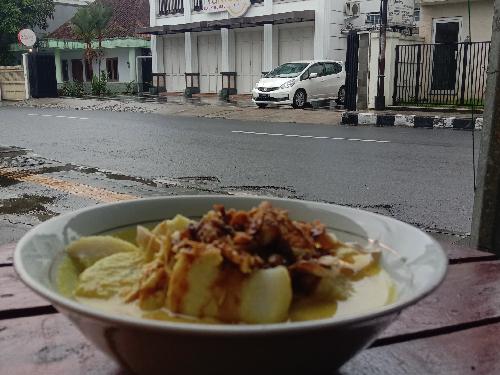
[(26, 37)]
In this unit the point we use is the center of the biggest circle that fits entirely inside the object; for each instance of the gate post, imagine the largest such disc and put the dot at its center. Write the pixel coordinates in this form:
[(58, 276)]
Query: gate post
[(417, 75), (464, 73), (396, 77), (351, 78)]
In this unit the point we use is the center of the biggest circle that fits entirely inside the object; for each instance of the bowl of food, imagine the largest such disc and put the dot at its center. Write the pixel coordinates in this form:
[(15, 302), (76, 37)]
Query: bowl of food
[(229, 285)]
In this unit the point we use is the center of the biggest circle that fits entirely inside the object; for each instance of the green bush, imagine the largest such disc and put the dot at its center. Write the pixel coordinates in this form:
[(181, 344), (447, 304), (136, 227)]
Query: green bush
[(73, 88), (130, 88), (99, 85)]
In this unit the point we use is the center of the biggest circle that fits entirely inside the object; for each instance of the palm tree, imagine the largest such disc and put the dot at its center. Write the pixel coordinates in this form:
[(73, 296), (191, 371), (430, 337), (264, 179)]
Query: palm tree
[(83, 26), (89, 23), (102, 15)]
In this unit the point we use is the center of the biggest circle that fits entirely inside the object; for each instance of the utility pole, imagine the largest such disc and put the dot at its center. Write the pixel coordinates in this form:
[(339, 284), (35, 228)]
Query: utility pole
[(380, 98), (485, 232)]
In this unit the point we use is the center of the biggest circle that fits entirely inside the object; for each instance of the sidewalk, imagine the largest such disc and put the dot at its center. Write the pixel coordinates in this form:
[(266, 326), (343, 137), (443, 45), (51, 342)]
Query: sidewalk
[(207, 106), (240, 107)]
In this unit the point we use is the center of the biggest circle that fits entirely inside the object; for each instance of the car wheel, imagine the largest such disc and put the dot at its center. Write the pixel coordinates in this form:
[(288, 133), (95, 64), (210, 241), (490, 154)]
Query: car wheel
[(262, 105), (299, 99), (341, 96)]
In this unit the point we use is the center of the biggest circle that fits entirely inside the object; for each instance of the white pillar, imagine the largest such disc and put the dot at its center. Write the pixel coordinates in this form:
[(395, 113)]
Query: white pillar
[(270, 55), (57, 56), (26, 76), (228, 62), (187, 10), (322, 29), (132, 64), (191, 52), (268, 6), (153, 9), (158, 53)]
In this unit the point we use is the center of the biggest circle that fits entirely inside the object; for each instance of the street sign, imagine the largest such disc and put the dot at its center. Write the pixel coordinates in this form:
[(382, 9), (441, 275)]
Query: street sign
[(26, 37), (400, 12)]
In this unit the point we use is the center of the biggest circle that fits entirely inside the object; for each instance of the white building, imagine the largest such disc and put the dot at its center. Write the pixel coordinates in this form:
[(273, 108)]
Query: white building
[(206, 38)]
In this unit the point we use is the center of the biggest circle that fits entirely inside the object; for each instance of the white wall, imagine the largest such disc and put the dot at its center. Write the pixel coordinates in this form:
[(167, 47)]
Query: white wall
[(481, 18), (391, 41), (121, 53)]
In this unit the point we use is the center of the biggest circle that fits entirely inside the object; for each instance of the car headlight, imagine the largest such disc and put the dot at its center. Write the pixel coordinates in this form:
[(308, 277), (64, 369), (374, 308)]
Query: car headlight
[(288, 84)]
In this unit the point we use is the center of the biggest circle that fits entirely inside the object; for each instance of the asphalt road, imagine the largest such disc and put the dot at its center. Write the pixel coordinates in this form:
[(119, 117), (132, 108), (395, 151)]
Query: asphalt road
[(421, 176)]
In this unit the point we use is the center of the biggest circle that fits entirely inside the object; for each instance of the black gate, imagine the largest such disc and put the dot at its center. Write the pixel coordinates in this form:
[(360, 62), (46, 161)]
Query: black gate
[(42, 75), (441, 74), (351, 68)]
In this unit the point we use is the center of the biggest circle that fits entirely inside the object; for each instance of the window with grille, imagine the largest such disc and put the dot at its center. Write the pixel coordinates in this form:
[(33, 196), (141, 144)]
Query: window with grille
[(373, 18)]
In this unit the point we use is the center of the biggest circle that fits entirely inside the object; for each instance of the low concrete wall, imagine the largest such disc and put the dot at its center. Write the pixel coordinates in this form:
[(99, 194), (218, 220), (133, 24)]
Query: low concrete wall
[(12, 84)]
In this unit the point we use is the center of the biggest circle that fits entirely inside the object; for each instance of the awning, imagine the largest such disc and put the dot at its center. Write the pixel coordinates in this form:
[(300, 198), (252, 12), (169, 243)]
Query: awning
[(231, 23)]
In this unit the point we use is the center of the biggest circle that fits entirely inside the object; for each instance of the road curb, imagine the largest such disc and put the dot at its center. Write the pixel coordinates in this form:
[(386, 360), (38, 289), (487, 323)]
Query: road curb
[(413, 121)]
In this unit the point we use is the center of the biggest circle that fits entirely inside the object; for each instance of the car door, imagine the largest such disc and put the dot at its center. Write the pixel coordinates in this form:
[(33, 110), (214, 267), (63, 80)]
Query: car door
[(334, 79), (313, 85)]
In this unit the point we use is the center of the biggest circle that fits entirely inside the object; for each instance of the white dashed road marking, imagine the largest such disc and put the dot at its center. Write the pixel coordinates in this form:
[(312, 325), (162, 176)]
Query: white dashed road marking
[(59, 116), (310, 136)]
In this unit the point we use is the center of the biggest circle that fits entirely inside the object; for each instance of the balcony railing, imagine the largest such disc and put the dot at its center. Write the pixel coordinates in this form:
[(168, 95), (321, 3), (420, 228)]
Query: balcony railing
[(166, 7), (197, 5)]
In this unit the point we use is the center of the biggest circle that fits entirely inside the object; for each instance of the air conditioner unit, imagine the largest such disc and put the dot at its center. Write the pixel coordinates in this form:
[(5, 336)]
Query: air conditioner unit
[(352, 9)]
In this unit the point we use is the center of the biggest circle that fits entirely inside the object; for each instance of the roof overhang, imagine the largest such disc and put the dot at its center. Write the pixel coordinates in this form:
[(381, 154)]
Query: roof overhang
[(231, 23), (106, 43)]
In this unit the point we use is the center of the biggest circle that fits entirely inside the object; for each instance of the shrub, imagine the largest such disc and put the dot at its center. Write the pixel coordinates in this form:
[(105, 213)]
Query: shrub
[(99, 84), (73, 88), (130, 88)]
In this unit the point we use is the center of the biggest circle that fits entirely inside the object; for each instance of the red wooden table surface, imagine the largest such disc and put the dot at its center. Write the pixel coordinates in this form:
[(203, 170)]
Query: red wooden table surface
[(456, 330)]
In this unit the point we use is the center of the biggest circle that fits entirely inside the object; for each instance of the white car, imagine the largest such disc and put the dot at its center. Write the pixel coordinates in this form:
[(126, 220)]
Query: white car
[(301, 82)]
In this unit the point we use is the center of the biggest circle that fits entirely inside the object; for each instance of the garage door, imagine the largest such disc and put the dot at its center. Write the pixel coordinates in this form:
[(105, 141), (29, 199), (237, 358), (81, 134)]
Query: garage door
[(174, 63), (248, 60), (209, 57), (296, 43)]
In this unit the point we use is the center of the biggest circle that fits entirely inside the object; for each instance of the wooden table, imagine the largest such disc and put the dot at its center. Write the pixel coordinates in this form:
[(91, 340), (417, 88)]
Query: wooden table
[(456, 330)]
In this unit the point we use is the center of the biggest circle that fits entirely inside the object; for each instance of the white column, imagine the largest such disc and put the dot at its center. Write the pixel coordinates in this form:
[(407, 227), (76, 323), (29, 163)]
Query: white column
[(57, 56), (268, 6), (158, 54), (270, 53), (26, 76), (191, 52), (322, 29), (131, 62), (153, 10), (187, 10), (228, 61)]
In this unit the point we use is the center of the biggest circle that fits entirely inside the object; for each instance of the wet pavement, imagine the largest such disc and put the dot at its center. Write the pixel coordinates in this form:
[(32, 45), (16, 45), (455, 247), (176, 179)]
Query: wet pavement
[(57, 160)]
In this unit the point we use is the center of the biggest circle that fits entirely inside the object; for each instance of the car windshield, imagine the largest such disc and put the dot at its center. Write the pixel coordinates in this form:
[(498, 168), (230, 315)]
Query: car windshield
[(289, 70)]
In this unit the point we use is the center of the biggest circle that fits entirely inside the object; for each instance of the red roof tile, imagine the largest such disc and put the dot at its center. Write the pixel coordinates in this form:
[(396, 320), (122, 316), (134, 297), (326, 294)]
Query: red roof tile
[(127, 16)]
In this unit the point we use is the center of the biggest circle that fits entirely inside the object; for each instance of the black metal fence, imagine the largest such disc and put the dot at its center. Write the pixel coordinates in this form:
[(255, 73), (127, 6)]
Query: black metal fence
[(166, 7), (441, 74)]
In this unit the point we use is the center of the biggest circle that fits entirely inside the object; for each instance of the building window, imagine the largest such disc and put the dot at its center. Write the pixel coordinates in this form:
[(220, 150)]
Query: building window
[(112, 69), (89, 71), (65, 70), (416, 15), (373, 18)]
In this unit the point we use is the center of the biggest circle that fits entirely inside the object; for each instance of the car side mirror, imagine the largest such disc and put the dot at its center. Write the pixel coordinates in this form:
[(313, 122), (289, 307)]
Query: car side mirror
[(313, 75)]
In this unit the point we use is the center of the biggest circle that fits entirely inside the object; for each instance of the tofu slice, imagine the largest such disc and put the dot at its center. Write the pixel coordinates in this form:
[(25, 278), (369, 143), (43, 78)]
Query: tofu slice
[(202, 286), (116, 274), (266, 296), (88, 250)]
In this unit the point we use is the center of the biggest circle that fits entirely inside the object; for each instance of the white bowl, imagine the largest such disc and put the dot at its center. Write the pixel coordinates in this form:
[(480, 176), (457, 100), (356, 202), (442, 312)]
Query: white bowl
[(417, 264)]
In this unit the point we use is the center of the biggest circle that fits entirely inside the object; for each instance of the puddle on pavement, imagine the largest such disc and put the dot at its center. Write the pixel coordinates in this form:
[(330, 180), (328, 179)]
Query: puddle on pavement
[(279, 191), (28, 204), (198, 179), (6, 181)]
